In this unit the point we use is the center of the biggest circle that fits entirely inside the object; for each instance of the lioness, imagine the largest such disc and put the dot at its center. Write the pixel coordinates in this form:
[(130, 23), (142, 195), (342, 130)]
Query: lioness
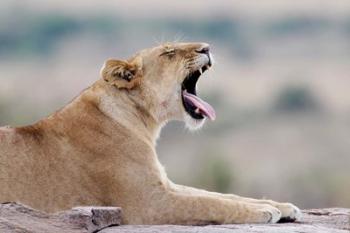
[(100, 148)]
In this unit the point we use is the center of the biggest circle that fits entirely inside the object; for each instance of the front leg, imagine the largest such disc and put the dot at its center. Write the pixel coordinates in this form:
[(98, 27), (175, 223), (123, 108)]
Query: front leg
[(290, 212), (184, 209)]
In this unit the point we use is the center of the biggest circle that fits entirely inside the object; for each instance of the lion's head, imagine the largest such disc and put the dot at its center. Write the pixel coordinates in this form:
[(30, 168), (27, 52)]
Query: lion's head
[(163, 79)]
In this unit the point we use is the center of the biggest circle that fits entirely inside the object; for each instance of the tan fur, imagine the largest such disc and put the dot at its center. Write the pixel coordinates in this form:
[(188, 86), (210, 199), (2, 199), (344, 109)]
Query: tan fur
[(100, 150)]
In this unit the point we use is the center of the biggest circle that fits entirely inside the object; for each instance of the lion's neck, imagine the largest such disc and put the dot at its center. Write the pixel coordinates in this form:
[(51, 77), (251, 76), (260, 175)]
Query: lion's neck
[(97, 108), (129, 111)]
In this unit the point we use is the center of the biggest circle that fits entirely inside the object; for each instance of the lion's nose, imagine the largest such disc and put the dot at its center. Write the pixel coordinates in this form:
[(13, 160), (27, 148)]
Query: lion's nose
[(204, 50)]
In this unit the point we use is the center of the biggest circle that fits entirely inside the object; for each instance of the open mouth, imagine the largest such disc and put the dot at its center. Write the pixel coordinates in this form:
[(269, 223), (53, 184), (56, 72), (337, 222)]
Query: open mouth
[(195, 106)]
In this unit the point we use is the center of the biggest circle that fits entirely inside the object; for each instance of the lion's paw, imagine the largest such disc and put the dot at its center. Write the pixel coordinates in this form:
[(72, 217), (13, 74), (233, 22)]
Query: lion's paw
[(290, 213), (270, 214)]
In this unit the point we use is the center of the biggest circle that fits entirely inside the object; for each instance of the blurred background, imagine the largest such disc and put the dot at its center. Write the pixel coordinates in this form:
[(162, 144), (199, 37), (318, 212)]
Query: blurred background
[(280, 86)]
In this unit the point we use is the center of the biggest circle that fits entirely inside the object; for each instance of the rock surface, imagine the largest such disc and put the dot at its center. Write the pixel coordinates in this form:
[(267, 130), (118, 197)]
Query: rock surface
[(19, 218)]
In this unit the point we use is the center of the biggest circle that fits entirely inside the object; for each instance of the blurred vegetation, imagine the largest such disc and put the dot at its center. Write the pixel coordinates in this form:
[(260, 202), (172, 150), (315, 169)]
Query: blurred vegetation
[(296, 99), (215, 173), (39, 33), (319, 178), (299, 25)]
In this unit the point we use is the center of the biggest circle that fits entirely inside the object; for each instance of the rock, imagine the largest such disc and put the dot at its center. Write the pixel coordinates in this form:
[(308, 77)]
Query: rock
[(334, 220), (16, 217), (19, 218)]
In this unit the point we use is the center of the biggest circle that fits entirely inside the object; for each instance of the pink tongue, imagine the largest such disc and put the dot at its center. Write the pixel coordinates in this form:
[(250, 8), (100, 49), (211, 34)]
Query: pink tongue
[(203, 106)]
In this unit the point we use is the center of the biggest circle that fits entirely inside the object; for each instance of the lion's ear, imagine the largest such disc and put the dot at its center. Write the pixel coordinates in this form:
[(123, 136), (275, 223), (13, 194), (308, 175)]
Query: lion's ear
[(122, 74)]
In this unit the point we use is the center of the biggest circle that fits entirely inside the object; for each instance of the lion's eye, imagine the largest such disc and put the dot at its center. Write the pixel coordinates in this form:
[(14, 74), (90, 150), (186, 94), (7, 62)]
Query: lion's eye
[(169, 52)]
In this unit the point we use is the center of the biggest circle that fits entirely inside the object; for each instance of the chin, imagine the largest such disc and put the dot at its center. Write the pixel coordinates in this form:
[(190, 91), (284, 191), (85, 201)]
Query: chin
[(193, 124)]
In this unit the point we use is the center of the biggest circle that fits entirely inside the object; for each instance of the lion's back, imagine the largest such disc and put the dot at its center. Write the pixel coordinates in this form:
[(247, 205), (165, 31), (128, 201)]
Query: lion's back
[(15, 161), (6, 138), (6, 141)]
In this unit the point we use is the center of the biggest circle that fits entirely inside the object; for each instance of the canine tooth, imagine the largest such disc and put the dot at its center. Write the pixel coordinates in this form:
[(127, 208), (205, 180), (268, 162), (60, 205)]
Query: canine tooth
[(200, 71), (197, 111)]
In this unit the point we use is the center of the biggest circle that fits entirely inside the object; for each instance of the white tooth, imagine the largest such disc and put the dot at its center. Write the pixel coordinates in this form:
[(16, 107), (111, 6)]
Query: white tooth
[(207, 66), (200, 70), (197, 111)]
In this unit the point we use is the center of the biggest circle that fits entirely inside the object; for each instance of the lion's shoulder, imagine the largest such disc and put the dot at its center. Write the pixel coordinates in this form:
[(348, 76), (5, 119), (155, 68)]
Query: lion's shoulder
[(31, 131)]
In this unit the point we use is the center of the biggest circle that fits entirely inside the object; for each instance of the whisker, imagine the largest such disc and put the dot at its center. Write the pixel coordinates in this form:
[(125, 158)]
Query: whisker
[(179, 37)]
